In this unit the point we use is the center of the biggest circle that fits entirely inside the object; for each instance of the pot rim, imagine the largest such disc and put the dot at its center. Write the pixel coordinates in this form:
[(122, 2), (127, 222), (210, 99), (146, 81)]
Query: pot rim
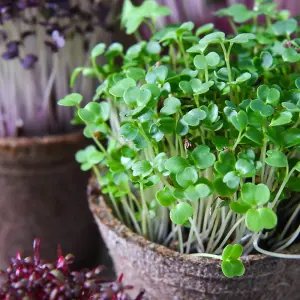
[(102, 213), (25, 142)]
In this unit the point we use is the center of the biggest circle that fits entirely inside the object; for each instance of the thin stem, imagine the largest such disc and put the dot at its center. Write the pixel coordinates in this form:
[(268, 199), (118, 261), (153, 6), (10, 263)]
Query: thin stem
[(208, 255), (231, 232), (182, 50), (274, 254), (180, 239), (290, 241), (285, 181), (262, 159), (288, 224), (233, 26), (150, 25), (240, 136), (144, 211), (96, 141), (227, 61)]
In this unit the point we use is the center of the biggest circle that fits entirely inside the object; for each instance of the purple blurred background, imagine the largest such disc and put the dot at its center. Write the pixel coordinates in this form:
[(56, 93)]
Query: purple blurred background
[(202, 11)]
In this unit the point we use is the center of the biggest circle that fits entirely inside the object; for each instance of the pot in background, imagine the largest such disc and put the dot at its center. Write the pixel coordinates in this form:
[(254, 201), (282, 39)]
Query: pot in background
[(169, 275), (43, 195)]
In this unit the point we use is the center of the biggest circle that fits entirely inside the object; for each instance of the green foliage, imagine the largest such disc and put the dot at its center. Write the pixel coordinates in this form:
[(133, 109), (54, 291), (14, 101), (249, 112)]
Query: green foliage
[(202, 130), (231, 263)]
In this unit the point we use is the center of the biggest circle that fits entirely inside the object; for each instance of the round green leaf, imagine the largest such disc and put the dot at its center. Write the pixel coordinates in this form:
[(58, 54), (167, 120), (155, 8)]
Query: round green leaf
[(273, 97), (161, 73), (129, 131), (203, 190), (204, 28), (283, 118), (227, 252), (191, 193), (263, 92), (267, 60), (136, 73), (222, 189), (253, 220), (239, 206), (98, 50), (243, 77), (71, 100), (232, 180), (240, 120), (276, 159), (255, 195), (291, 137), (187, 177), (290, 55), (121, 86), (233, 268), (153, 47), (212, 59), (194, 116), (268, 217), (232, 252), (165, 197), (171, 106), (245, 167), (181, 213), (167, 125), (141, 168), (200, 62), (202, 157), (114, 49), (254, 135), (86, 115), (176, 164), (242, 38), (185, 86), (215, 37)]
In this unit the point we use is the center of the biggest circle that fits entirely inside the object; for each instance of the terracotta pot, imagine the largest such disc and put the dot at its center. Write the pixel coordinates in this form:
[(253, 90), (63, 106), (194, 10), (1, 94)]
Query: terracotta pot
[(166, 274), (43, 194)]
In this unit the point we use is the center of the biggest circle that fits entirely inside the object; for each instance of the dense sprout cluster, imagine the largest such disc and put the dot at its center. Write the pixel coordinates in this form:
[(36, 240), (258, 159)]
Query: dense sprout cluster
[(32, 278), (41, 42), (203, 131)]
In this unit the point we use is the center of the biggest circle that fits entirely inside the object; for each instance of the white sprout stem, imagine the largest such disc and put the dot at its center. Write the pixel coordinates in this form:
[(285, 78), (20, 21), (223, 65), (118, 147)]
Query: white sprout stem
[(290, 221), (230, 232), (170, 236), (212, 236), (273, 254), (207, 255), (197, 234), (222, 229), (290, 241)]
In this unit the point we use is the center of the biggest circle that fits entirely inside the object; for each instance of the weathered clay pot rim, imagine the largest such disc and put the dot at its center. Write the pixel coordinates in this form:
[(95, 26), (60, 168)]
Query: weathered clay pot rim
[(25, 142), (103, 213)]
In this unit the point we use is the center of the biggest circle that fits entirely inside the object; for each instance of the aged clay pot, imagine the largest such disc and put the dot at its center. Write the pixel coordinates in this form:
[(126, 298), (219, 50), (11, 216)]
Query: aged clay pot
[(43, 194), (166, 274)]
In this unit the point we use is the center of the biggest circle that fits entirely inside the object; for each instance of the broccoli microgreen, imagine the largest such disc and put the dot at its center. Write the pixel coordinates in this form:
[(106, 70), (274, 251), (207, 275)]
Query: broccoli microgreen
[(206, 126)]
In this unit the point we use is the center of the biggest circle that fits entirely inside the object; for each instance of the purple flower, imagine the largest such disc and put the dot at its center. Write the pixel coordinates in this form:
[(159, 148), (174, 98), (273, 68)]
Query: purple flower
[(58, 39), (12, 50), (29, 61)]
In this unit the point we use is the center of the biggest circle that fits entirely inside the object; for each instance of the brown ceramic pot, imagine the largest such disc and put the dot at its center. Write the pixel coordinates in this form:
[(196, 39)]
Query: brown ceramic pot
[(166, 274), (43, 194)]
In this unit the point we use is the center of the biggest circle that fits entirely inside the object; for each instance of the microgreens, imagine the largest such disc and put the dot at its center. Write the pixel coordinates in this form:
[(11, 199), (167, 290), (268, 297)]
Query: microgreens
[(34, 278), (203, 133)]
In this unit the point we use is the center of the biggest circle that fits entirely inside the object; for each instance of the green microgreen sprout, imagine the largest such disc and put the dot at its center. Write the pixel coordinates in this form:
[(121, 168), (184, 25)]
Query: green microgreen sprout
[(202, 132)]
